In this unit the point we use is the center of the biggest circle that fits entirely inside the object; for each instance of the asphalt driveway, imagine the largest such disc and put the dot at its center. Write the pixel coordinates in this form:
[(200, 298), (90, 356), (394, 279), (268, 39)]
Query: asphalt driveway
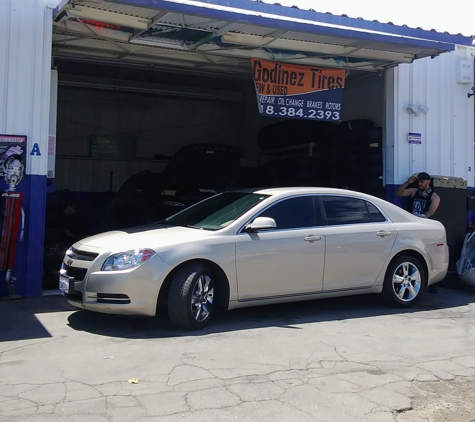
[(349, 359)]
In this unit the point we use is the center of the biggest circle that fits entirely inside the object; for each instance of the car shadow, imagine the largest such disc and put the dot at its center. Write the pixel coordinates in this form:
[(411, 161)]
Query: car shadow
[(18, 318), (19, 321), (288, 316)]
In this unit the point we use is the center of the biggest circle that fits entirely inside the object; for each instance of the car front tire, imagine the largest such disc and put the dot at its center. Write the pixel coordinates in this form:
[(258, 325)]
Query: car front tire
[(404, 282), (191, 298)]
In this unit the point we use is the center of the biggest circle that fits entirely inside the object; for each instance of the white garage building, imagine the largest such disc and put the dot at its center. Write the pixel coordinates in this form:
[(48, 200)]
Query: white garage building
[(159, 74)]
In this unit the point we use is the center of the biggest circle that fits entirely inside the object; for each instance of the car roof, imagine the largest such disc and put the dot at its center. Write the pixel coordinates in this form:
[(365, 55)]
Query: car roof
[(282, 191)]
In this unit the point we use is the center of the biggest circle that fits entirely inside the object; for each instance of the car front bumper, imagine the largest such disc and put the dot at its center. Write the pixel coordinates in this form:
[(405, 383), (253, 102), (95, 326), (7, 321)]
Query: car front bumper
[(129, 292)]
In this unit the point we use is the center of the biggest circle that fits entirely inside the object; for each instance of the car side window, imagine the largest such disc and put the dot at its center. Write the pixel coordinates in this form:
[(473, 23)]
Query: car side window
[(345, 210), (292, 213), (374, 214)]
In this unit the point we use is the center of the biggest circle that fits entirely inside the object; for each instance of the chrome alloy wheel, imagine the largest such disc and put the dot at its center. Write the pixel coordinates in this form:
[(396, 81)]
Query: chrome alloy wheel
[(407, 281), (202, 298)]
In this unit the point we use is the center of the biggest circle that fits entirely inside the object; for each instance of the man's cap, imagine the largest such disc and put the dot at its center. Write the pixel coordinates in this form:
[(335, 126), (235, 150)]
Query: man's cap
[(423, 176)]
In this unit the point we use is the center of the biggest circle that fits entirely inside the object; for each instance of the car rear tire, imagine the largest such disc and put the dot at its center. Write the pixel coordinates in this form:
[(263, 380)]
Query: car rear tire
[(191, 297), (404, 282)]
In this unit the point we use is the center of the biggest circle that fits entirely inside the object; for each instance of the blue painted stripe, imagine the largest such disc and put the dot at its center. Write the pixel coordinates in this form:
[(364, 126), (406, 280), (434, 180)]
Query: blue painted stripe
[(354, 28), (35, 218), (470, 214)]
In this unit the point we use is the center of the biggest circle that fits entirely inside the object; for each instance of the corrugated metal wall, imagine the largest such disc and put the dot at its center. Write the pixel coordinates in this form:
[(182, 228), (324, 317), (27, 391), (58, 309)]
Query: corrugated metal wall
[(25, 54), (447, 130), (149, 125)]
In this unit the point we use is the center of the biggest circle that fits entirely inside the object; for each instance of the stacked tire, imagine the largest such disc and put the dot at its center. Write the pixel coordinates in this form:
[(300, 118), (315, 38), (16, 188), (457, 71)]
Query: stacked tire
[(345, 156), (349, 155), (371, 153)]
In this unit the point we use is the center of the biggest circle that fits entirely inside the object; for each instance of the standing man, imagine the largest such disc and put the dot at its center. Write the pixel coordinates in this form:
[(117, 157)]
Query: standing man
[(424, 200)]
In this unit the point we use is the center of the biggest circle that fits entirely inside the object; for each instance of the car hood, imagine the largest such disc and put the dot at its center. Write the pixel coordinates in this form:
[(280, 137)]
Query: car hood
[(150, 236)]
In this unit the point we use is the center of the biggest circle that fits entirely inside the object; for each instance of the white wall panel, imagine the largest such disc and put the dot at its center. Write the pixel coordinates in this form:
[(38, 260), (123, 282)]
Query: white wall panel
[(25, 54), (447, 129)]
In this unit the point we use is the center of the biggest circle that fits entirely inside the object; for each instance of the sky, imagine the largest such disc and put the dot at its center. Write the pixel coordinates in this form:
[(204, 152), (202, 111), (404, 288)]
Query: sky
[(453, 16)]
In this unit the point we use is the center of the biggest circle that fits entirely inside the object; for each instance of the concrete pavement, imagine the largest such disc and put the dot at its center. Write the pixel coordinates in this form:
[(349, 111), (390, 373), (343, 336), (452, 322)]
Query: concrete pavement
[(339, 360)]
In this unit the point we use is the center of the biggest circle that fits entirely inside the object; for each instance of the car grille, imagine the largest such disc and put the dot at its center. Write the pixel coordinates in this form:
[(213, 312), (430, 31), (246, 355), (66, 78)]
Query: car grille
[(77, 273), (81, 255)]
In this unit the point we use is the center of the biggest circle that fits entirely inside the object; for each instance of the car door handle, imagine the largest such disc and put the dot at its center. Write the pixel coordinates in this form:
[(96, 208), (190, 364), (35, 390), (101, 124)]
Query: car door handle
[(383, 233), (312, 238)]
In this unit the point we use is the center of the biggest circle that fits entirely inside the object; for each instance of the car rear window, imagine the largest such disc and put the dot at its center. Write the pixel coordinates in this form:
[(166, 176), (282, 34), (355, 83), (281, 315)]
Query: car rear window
[(374, 214), (347, 210)]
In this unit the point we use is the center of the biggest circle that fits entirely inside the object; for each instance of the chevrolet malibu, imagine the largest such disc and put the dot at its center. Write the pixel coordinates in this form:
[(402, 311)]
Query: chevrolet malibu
[(253, 247)]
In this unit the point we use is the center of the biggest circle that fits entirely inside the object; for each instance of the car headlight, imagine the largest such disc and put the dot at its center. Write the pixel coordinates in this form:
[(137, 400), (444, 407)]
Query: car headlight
[(126, 260)]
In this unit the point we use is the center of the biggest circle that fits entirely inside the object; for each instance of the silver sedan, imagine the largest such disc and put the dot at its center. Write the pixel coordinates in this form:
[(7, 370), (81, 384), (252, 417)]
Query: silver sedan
[(253, 247)]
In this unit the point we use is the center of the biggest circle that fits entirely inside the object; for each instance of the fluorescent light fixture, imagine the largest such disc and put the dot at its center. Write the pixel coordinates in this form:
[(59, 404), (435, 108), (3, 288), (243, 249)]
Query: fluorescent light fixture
[(314, 47), (177, 92), (299, 58), (176, 45), (82, 12)]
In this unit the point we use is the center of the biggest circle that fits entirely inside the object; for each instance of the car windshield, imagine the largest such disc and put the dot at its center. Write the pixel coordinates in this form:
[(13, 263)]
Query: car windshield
[(216, 212)]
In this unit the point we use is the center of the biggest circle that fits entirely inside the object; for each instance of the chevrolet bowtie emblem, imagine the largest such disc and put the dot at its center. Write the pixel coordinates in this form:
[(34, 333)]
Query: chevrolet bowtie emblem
[(69, 262)]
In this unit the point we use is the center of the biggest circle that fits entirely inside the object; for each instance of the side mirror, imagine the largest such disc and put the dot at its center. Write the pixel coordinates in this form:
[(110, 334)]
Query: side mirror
[(261, 223)]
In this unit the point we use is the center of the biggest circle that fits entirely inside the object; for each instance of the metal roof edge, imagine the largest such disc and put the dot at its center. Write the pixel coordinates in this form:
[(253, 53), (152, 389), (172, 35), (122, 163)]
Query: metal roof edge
[(408, 31), (59, 7), (221, 9), (289, 15)]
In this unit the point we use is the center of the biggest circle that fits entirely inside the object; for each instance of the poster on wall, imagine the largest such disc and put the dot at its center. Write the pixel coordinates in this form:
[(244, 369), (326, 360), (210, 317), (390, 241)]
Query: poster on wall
[(12, 217), (298, 92), (11, 146)]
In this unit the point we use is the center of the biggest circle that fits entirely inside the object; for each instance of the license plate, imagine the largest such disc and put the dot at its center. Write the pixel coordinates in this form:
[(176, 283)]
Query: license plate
[(65, 284)]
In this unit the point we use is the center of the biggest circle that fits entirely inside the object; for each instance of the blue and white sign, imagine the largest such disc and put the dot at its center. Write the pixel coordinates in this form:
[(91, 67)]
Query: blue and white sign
[(414, 138)]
